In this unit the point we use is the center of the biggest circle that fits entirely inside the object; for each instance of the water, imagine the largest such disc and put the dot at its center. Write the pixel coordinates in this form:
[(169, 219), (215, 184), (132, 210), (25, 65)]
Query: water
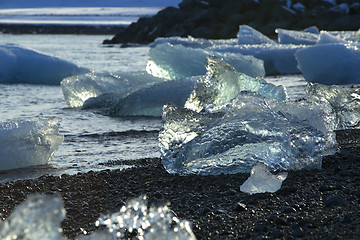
[(92, 141)]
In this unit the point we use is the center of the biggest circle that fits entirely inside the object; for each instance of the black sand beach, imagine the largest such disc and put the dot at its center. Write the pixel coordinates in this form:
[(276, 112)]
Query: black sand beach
[(316, 204)]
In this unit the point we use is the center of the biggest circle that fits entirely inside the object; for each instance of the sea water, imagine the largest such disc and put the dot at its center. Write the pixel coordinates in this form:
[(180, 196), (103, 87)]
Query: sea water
[(91, 141)]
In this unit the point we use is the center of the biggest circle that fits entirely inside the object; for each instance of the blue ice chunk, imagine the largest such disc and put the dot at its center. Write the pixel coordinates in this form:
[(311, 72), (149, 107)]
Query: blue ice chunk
[(296, 37), (177, 61), (248, 35), (21, 65)]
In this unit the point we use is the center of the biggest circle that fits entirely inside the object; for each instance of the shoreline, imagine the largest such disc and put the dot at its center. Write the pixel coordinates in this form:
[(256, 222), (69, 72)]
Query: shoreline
[(310, 204)]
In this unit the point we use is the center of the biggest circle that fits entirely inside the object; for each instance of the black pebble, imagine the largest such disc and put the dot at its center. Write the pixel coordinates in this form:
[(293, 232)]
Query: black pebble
[(334, 201)]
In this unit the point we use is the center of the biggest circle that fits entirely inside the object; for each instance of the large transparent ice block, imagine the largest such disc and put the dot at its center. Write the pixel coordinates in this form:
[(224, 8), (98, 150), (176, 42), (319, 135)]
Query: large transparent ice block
[(344, 101), (222, 83), (177, 61), (39, 217), (26, 143), (251, 129), (78, 89)]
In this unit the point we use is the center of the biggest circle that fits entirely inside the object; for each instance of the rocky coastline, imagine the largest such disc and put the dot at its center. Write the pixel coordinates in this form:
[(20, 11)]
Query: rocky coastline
[(220, 19), (312, 204)]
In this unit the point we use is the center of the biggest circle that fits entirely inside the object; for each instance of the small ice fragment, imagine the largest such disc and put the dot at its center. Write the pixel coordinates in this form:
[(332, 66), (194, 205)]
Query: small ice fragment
[(39, 217), (146, 222), (177, 61), (248, 35), (222, 83), (26, 143), (344, 101), (261, 180), (21, 65)]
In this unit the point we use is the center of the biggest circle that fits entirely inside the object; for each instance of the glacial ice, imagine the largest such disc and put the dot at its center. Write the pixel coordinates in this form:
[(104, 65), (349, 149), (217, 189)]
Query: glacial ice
[(248, 35), (344, 101), (21, 65), (296, 37), (222, 83), (77, 89), (146, 101), (278, 58), (251, 129), (170, 61), (261, 180), (39, 217), (329, 64), (147, 222), (26, 143)]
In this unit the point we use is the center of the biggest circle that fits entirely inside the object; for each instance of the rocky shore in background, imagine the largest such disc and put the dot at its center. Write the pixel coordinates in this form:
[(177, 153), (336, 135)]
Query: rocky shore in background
[(220, 19), (321, 204), (59, 29)]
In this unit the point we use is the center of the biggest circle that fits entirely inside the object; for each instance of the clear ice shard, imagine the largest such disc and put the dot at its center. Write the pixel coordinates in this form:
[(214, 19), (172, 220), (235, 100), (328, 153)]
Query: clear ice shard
[(21, 65), (296, 37), (261, 180), (39, 217), (77, 89), (344, 101), (248, 35), (170, 61), (321, 63), (222, 83), (251, 129), (146, 222), (147, 101), (26, 143)]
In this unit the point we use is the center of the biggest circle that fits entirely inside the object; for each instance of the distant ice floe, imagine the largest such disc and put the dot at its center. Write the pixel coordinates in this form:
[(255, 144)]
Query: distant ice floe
[(25, 143), (230, 134), (21, 65), (40, 217)]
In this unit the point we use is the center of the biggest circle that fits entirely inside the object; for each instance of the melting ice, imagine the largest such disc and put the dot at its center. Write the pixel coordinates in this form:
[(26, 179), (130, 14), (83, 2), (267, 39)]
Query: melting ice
[(26, 143), (39, 217), (344, 101), (245, 128), (20, 65), (261, 180)]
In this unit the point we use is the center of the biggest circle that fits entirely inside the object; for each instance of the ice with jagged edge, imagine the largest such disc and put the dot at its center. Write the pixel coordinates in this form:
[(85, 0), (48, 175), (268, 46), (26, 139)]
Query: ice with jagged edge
[(146, 222), (344, 101), (77, 89), (330, 61), (222, 83), (251, 129), (39, 217), (145, 101), (28, 142), (248, 35), (227, 129), (21, 65), (171, 61), (261, 180), (296, 37)]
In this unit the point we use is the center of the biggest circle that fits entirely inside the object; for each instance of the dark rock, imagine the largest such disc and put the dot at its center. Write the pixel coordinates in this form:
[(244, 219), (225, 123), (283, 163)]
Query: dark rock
[(276, 233), (334, 201), (239, 207), (260, 228)]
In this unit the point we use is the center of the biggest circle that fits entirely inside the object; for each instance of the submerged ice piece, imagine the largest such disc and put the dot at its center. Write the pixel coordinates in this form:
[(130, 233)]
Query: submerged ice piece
[(146, 222), (222, 83), (26, 143), (146, 101), (21, 65), (251, 129), (39, 217), (344, 101), (77, 89), (177, 61), (262, 180), (335, 63)]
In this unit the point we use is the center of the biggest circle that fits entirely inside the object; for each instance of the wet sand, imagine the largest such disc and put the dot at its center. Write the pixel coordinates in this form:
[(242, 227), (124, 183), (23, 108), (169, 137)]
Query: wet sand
[(312, 204)]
